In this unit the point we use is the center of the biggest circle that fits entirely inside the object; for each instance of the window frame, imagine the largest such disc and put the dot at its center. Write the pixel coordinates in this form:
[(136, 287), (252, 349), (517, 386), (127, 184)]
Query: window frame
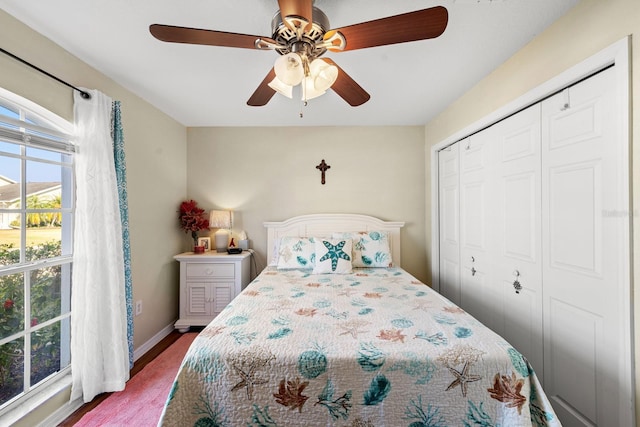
[(41, 129)]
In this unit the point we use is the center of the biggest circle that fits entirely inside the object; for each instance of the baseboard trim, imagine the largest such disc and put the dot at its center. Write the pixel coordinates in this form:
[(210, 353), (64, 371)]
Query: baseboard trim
[(140, 351)]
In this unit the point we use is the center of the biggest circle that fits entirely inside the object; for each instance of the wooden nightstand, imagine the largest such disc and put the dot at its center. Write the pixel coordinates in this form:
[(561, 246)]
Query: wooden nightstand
[(208, 282)]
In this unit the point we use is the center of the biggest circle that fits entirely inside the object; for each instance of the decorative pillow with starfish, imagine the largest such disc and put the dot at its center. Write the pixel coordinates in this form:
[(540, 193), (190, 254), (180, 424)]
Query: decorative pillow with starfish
[(370, 248), (333, 256)]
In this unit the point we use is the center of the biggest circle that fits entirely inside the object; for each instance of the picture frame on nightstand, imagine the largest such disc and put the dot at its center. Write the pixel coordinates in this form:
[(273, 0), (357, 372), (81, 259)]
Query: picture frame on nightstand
[(206, 242)]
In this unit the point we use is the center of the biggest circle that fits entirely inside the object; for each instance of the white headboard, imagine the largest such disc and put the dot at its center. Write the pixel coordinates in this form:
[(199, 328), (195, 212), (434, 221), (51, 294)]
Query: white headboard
[(322, 225)]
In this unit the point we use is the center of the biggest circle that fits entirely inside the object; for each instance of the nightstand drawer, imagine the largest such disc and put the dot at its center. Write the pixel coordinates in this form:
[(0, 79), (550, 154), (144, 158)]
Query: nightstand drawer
[(210, 270)]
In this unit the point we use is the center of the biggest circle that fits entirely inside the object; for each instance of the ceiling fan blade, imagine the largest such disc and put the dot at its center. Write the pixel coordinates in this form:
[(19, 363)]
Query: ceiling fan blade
[(263, 93), (407, 27), (347, 88), (301, 8), (169, 33)]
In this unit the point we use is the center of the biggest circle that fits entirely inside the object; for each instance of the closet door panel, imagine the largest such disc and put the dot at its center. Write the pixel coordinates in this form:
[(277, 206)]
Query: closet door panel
[(575, 222), (574, 388), (520, 238), (584, 301), (474, 216), (449, 222), (521, 323), (516, 248), (478, 295)]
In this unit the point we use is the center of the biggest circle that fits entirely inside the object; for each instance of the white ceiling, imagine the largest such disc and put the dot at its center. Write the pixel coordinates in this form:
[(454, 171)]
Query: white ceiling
[(409, 83)]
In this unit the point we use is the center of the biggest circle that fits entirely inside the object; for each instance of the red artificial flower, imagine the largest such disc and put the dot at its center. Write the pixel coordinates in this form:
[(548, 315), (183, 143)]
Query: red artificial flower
[(192, 218), (8, 304), (188, 206)]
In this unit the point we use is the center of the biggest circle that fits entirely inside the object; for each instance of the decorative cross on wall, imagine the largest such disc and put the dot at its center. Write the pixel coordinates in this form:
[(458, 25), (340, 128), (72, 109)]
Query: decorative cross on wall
[(323, 168)]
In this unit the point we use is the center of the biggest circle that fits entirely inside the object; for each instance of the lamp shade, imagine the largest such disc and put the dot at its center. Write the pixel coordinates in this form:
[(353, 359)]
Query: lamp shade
[(289, 69), (324, 75), (309, 90), (220, 219), (280, 87)]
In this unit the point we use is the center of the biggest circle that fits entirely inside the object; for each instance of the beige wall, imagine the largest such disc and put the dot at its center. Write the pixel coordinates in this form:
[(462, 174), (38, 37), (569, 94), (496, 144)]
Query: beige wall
[(269, 174), (588, 28), (153, 141)]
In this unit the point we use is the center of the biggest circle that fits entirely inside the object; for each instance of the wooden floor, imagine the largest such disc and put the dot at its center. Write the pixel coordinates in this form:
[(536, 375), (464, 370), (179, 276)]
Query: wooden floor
[(137, 367)]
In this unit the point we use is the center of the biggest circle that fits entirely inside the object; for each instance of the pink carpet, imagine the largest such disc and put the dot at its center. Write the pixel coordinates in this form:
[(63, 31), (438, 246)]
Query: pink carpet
[(140, 403)]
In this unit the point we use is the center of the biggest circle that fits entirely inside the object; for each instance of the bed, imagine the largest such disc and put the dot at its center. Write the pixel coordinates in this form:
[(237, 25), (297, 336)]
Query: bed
[(308, 343)]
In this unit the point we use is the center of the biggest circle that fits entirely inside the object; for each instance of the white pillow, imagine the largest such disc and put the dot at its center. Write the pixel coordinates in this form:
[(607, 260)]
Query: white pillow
[(333, 256), (370, 248), (296, 252)]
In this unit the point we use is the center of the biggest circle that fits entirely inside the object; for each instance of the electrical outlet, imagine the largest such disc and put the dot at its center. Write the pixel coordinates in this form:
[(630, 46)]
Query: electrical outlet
[(138, 308)]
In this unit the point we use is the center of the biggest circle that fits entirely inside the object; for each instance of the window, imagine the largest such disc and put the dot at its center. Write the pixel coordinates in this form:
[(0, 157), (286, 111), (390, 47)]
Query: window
[(36, 223)]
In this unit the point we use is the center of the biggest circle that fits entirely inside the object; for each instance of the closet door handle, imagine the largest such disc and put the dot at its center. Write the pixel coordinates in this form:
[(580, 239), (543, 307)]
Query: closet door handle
[(473, 271), (516, 284)]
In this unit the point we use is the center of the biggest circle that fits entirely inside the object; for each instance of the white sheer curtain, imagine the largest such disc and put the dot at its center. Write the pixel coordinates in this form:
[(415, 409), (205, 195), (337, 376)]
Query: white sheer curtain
[(99, 348)]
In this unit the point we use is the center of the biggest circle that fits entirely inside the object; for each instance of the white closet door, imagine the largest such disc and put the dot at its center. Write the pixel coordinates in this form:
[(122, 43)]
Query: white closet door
[(449, 222), (584, 248), (516, 245), (476, 295)]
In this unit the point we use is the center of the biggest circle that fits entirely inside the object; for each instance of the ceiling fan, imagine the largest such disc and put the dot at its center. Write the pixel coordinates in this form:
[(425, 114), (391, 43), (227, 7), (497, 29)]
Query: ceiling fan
[(301, 35)]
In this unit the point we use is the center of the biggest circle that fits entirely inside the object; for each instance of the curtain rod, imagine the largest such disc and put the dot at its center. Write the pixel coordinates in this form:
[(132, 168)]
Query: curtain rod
[(85, 95)]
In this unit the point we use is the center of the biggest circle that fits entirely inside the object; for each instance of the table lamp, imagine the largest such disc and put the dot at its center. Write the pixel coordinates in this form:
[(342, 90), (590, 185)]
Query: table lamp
[(222, 221)]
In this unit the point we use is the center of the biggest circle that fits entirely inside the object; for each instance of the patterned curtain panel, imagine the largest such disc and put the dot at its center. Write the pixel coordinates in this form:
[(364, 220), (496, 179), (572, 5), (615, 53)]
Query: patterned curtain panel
[(99, 346), (121, 176)]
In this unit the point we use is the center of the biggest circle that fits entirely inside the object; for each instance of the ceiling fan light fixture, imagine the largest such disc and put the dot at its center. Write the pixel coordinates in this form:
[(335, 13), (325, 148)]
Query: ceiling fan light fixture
[(301, 33), (289, 69), (324, 75), (281, 87), (309, 89)]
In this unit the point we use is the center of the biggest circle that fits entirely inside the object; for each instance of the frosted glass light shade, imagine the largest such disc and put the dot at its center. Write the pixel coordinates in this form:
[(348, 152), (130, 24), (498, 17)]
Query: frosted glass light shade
[(289, 69), (324, 75), (309, 90), (280, 87)]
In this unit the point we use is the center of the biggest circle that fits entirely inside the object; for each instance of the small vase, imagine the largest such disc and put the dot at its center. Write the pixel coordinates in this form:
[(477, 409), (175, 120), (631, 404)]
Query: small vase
[(198, 249)]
